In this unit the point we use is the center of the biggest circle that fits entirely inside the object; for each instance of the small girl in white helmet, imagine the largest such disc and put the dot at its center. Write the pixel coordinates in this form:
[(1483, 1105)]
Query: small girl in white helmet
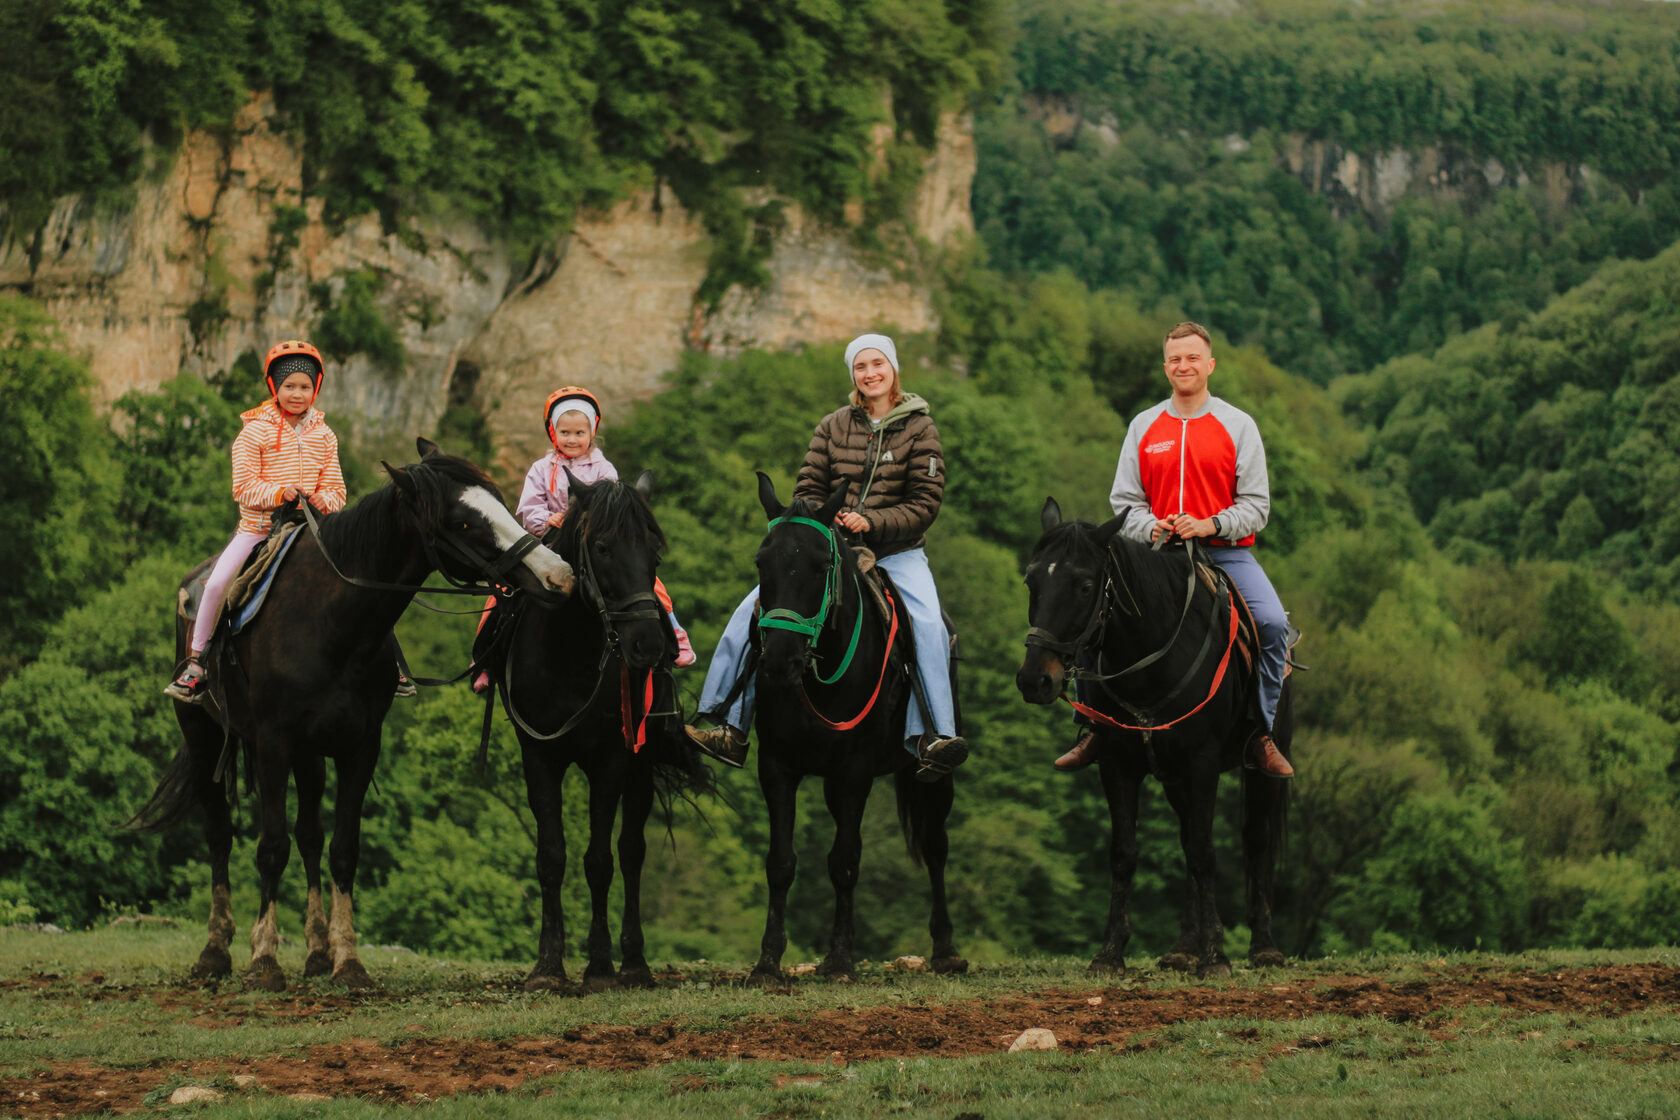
[(572, 416), (284, 451)]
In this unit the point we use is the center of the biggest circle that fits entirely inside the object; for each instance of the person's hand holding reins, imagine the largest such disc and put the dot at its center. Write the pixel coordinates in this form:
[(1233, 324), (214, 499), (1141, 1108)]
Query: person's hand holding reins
[(852, 522), (1182, 526)]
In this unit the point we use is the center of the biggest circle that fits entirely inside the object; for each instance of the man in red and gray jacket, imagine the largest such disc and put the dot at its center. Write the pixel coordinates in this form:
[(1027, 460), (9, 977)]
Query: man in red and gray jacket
[(1194, 466)]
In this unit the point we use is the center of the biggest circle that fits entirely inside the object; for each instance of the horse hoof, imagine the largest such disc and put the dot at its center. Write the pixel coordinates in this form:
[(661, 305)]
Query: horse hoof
[(1177, 962), (948, 966), (635, 978), (352, 975), (264, 975), (763, 978), (213, 964), (1106, 966), (1266, 958), (318, 963), (595, 985), (1217, 970), (546, 983)]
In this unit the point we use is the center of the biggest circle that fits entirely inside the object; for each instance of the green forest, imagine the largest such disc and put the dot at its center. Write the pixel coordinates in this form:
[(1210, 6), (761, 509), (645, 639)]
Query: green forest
[(1471, 410)]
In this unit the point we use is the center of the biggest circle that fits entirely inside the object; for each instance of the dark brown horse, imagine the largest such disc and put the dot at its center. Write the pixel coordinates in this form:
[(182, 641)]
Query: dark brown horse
[(311, 678), (826, 713), (1155, 644)]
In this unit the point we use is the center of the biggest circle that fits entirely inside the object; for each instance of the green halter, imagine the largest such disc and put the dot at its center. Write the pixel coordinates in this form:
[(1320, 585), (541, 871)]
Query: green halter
[(780, 618)]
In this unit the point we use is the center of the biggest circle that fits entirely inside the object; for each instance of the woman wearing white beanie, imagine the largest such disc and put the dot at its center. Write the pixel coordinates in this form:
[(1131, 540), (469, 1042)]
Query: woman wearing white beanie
[(885, 441)]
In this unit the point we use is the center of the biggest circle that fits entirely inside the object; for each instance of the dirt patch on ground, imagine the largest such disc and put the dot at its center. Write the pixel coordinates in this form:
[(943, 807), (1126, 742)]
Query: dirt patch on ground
[(1095, 1017)]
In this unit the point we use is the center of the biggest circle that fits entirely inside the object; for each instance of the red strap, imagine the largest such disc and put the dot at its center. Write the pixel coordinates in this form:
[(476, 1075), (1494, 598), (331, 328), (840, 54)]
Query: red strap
[(1213, 690), (886, 658)]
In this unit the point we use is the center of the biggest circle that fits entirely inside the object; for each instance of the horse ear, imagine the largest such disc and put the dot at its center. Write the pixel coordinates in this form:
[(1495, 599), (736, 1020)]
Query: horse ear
[(1051, 515), (575, 486), (1105, 532), (835, 501), (426, 447), (644, 485), (773, 507), (399, 478)]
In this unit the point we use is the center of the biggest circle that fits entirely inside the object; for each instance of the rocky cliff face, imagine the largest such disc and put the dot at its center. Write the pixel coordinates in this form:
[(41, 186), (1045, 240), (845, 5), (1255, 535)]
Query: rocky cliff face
[(218, 253)]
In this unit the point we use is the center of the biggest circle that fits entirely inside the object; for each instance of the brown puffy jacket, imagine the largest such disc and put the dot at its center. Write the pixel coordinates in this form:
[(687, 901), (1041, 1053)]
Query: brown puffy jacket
[(897, 471)]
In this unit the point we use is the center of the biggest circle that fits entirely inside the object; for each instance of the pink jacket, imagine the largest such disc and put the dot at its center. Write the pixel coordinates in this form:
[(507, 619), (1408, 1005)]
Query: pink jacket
[(547, 491)]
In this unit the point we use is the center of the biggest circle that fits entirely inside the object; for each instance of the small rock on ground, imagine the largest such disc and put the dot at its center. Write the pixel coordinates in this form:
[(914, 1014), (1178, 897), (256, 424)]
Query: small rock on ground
[(1033, 1038), (187, 1094)]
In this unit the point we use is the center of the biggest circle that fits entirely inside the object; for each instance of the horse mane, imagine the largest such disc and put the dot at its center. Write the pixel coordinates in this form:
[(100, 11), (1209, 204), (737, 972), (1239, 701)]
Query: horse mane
[(1153, 574), (614, 509), (364, 528), (802, 507)]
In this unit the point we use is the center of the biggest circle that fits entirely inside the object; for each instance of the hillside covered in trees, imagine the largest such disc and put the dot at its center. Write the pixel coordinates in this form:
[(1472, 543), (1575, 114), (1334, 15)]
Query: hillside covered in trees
[(1466, 409)]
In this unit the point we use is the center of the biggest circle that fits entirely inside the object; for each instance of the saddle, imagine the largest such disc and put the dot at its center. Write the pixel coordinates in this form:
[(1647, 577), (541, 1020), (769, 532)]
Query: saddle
[(1213, 577), (246, 591)]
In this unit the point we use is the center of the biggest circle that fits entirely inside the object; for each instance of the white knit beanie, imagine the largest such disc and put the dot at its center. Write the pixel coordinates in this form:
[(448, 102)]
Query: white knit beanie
[(871, 342)]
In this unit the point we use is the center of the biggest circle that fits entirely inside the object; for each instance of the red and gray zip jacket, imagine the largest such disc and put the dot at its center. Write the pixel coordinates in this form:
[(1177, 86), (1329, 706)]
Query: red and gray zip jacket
[(1206, 465)]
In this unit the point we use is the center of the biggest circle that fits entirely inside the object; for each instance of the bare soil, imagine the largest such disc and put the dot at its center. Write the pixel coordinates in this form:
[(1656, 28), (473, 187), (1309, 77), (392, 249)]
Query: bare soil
[(1088, 1018)]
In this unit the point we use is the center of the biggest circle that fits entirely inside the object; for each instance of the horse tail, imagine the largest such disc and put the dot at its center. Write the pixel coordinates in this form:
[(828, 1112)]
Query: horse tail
[(679, 769), (176, 795), (913, 814)]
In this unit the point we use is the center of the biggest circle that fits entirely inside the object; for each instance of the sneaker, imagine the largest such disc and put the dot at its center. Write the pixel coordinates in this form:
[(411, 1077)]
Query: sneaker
[(1081, 754), (724, 743), (480, 683), (685, 651), (405, 687), (938, 757), (191, 685), (1263, 755)]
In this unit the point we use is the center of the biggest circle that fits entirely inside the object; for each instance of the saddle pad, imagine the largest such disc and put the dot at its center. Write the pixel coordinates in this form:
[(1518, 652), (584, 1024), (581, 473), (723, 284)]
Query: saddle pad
[(249, 589)]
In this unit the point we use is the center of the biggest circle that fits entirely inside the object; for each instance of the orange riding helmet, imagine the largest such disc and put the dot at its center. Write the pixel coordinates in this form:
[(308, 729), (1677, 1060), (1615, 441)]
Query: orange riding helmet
[(293, 348), (569, 392)]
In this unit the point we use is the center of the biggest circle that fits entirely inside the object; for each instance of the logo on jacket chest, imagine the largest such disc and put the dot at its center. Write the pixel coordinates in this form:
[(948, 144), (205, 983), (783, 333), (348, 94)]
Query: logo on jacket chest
[(1160, 447)]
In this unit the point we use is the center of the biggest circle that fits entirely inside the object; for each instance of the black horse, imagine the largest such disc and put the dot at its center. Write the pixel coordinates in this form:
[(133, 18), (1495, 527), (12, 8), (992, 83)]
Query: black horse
[(833, 686), (1157, 645), (311, 678), (584, 683)]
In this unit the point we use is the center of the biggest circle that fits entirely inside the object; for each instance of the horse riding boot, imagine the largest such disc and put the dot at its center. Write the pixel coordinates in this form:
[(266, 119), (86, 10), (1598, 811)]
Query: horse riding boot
[(191, 685), (724, 743), (1081, 754), (938, 757), (1264, 756)]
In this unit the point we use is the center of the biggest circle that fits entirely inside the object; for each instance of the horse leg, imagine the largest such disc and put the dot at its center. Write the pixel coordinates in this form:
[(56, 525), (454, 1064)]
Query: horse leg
[(606, 786), (935, 844), (274, 848), (355, 771), (310, 774), (203, 746), (780, 791), (543, 792), (632, 851), (846, 799), (1261, 809), (1121, 785), (1194, 800)]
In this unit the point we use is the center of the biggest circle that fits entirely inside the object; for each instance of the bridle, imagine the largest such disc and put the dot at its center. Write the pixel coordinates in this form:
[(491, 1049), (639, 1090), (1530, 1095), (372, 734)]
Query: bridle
[(639, 606), (1091, 638), (811, 626)]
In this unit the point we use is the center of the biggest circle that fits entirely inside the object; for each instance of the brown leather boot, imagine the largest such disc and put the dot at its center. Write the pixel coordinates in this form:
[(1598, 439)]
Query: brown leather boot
[(1264, 756), (725, 744), (1081, 754)]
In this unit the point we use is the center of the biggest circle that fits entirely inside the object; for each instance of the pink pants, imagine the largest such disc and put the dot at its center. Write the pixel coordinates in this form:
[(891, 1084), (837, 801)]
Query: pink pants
[(215, 586)]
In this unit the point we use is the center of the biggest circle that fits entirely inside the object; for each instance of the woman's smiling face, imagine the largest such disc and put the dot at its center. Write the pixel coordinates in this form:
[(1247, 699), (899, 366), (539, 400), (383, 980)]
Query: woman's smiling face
[(874, 377)]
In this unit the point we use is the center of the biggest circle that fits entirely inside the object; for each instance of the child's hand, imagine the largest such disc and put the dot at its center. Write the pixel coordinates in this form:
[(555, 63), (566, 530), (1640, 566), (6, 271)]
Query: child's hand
[(554, 519), (289, 494)]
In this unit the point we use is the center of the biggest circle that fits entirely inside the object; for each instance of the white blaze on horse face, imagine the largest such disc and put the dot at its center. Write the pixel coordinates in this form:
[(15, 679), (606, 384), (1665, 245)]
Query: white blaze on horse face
[(1051, 570), (545, 565)]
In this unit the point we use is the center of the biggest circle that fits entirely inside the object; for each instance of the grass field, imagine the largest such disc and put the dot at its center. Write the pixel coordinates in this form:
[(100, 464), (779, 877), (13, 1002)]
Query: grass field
[(104, 1021)]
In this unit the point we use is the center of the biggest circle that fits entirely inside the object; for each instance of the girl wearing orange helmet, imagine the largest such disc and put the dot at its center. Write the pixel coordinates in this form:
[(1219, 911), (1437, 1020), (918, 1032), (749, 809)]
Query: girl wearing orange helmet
[(284, 451), (572, 416)]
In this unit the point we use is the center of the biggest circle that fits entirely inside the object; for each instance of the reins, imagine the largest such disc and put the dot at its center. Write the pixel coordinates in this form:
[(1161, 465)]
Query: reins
[(811, 626), (1092, 634)]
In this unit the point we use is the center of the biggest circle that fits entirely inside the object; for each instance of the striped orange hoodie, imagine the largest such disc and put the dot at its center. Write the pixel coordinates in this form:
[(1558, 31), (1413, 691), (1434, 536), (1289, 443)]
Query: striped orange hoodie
[(270, 455)]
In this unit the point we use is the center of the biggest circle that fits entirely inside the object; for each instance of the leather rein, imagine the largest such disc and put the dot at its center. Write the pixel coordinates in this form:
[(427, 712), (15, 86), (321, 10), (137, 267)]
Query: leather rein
[(1148, 718)]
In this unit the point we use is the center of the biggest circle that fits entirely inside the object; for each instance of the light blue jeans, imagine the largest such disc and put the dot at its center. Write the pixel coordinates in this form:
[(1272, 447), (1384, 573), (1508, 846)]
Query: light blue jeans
[(914, 580)]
